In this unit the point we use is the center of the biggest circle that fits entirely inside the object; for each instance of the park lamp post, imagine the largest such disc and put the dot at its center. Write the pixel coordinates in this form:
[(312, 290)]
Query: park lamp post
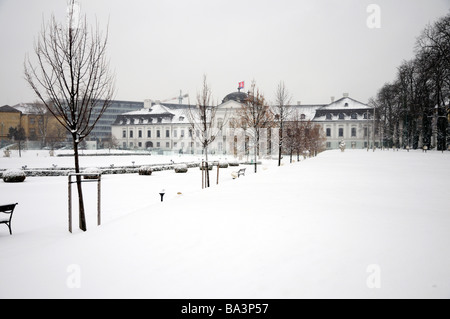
[(162, 193)]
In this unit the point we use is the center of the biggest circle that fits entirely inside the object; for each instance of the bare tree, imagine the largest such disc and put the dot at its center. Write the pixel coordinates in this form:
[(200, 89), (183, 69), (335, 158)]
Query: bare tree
[(43, 120), (202, 119), (315, 138), (71, 78), (17, 134), (414, 108), (293, 135), (256, 115), (282, 113)]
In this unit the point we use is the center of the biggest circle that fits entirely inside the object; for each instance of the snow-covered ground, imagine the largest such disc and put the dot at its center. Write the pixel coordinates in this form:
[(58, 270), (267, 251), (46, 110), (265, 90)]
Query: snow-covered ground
[(354, 224)]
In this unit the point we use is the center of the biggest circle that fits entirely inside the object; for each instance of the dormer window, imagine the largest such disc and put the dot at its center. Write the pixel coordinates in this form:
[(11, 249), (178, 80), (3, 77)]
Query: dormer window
[(181, 118), (341, 116), (328, 116), (346, 104), (159, 119), (303, 117)]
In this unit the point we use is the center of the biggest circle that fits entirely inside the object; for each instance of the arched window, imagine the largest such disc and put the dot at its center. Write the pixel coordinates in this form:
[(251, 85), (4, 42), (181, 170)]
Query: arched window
[(219, 124)]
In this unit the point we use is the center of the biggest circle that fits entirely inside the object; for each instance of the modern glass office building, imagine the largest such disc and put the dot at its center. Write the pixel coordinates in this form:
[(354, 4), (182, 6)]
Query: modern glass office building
[(102, 130)]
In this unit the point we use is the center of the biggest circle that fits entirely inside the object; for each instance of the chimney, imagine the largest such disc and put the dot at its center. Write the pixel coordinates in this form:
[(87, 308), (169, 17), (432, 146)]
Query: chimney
[(346, 95), (147, 104), (299, 103), (333, 99)]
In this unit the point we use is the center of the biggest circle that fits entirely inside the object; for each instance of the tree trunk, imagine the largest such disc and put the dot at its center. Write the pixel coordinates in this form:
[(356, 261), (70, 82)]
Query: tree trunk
[(207, 167), (83, 226), (280, 148), (256, 150), (256, 158)]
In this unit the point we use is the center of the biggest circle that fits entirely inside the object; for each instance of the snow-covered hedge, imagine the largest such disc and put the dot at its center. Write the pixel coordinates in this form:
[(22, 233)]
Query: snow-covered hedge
[(92, 170), (210, 166), (14, 176), (223, 164), (145, 171), (182, 168), (233, 163)]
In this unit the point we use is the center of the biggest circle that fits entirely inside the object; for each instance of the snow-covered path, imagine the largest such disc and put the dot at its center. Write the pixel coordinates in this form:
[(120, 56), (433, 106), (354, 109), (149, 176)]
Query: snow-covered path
[(334, 226)]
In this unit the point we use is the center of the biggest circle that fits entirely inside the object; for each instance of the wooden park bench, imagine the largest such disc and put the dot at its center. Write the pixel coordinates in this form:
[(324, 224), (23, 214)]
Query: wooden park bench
[(241, 172), (8, 210)]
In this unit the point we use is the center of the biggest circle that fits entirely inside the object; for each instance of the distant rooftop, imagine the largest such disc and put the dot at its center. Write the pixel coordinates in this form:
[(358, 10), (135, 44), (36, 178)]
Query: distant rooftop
[(8, 109)]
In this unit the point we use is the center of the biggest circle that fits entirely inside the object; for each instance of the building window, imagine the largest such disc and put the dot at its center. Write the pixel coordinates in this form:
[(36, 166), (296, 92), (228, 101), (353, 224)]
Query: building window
[(341, 116), (328, 116), (167, 145), (328, 132), (131, 144), (140, 144), (32, 120), (303, 117), (353, 131), (328, 144), (124, 144), (160, 120), (354, 116), (124, 135), (167, 133), (341, 132), (346, 104), (158, 134), (158, 144), (140, 134), (365, 116), (365, 132), (175, 144), (149, 134), (175, 133), (182, 133), (131, 134)]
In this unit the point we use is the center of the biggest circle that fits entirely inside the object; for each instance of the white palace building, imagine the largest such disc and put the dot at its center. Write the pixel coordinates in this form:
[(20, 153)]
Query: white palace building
[(166, 128)]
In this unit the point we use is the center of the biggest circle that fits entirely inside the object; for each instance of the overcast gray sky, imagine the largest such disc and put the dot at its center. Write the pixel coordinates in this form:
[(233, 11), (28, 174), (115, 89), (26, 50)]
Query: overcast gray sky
[(319, 48)]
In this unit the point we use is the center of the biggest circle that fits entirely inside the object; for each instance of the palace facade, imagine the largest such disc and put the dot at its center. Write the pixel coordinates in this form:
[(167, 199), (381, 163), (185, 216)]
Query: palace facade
[(166, 127)]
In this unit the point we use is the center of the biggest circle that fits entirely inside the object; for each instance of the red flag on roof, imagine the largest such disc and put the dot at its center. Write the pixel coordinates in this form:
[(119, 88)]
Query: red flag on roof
[(241, 85)]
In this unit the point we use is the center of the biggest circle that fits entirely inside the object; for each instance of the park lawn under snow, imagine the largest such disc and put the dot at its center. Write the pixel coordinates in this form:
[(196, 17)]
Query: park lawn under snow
[(306, 230)]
